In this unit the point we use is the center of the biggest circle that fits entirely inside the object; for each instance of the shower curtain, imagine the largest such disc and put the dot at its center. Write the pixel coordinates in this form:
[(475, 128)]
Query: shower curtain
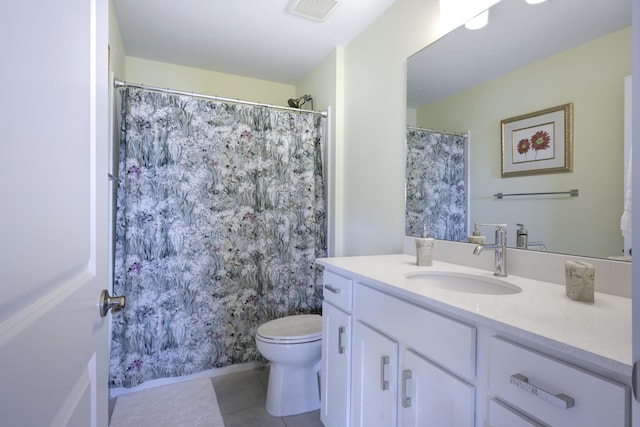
[(221, 213), (436, 186)]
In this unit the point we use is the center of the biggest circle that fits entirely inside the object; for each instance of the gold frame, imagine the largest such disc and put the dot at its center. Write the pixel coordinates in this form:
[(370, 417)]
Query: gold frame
[(556, 123)]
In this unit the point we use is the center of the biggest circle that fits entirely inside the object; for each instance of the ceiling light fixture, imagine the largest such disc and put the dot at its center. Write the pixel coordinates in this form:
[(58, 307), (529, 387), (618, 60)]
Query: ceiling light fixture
[(535, 1), (478, 21)]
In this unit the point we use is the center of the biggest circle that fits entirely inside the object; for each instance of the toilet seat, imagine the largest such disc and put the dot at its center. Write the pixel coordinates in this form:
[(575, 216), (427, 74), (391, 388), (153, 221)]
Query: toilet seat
[(293, 347), (299, 328)]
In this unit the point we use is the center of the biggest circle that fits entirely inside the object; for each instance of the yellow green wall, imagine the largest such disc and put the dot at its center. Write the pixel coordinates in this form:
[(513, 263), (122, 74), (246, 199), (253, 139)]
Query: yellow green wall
[(591, 77), (374, 125), (160, 74)]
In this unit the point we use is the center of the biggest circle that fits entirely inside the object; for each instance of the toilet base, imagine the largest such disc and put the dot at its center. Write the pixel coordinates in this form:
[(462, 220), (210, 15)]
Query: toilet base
[(293, 390)]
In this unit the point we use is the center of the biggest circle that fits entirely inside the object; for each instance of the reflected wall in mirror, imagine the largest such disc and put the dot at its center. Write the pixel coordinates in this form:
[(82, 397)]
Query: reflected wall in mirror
[(532, 57)]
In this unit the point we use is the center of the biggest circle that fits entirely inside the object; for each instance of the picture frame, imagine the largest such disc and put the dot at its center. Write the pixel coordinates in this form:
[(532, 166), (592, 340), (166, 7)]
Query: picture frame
[(538, 143)]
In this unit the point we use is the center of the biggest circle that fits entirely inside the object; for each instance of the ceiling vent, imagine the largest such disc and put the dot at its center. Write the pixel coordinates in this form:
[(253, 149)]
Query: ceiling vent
[(318, 10)]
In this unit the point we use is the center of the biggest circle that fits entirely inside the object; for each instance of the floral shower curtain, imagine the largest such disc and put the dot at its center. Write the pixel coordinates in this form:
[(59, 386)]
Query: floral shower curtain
[(221, 213), (436, 187)]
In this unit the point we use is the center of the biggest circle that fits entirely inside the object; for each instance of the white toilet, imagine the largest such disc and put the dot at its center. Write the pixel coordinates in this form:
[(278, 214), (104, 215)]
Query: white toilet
[(293, 345)]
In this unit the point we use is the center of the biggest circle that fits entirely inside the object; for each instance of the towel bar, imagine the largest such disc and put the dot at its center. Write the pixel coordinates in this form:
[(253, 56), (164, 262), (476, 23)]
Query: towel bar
[(571, 193)]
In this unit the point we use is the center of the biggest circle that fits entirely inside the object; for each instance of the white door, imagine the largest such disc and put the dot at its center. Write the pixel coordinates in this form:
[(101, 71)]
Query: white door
[(431, 396), (635, 136), (374, 385), (336, 368), (53, 212)]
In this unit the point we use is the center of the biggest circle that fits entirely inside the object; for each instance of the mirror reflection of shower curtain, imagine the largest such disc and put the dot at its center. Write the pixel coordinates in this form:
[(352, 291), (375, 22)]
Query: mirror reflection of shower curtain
[(436, 184), (221, 214)]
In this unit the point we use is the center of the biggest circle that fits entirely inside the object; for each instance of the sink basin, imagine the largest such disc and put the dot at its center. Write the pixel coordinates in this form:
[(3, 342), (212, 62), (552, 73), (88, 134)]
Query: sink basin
[(462, 282)]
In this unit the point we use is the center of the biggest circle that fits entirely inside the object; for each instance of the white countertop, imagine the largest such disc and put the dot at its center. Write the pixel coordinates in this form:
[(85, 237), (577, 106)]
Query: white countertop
[(598, 333)]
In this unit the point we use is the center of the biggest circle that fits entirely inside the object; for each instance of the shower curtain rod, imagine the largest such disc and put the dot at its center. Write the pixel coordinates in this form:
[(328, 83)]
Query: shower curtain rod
[(119, 83), (439, 131)]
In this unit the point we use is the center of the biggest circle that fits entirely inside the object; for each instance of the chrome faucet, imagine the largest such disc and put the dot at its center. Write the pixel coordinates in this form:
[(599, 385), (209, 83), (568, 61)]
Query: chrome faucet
[(499, 247)]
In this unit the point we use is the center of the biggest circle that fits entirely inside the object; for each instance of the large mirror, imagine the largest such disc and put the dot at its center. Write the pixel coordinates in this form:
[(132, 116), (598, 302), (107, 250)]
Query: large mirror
[(527, 59)]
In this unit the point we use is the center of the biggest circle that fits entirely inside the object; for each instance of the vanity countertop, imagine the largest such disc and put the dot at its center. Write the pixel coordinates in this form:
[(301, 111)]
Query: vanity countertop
[(598, 333)]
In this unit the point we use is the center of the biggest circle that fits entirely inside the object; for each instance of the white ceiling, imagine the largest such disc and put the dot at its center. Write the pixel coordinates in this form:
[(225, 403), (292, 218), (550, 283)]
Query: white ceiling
[(517, 34), (250, 38)]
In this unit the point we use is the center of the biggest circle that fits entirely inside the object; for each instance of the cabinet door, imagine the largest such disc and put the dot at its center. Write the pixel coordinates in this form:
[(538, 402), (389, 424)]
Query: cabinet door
[(375, 364), (336, 366), (431, 396)]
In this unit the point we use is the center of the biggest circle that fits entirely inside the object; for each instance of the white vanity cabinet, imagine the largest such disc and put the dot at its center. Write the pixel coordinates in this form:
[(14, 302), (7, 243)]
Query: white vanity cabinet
[(399, 355), (396, 386), (336, 351), (549, 390), (397, 380)]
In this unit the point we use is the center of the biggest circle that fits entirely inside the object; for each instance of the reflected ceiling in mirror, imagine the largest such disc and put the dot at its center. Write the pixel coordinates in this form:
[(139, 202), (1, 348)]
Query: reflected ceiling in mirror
[(521, 38), (518, 34)]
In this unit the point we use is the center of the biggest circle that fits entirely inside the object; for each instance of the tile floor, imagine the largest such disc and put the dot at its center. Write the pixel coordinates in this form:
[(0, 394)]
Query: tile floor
[(241, 398)]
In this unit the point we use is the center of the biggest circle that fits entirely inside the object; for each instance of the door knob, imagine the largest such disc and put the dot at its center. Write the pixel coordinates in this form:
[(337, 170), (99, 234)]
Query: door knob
[(107, 302)]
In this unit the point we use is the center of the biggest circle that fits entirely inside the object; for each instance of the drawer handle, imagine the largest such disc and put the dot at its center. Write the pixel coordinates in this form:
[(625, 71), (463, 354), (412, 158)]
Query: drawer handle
[(341, 331), (384, 384), (560, 400), (332, 289), (406, 400)]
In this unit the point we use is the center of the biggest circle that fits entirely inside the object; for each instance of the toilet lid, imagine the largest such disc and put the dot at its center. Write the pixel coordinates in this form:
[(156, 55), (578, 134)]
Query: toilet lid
[(298, 327)]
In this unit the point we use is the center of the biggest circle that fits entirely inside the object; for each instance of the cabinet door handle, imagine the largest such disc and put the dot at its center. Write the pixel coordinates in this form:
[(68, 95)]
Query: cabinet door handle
[(560, 400), (406, 400), (332, 289), (384, 384), (341, 330)]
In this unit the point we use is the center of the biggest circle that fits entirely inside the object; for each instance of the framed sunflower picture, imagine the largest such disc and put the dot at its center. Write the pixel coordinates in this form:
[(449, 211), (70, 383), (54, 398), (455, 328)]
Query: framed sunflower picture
[(538, 143)]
